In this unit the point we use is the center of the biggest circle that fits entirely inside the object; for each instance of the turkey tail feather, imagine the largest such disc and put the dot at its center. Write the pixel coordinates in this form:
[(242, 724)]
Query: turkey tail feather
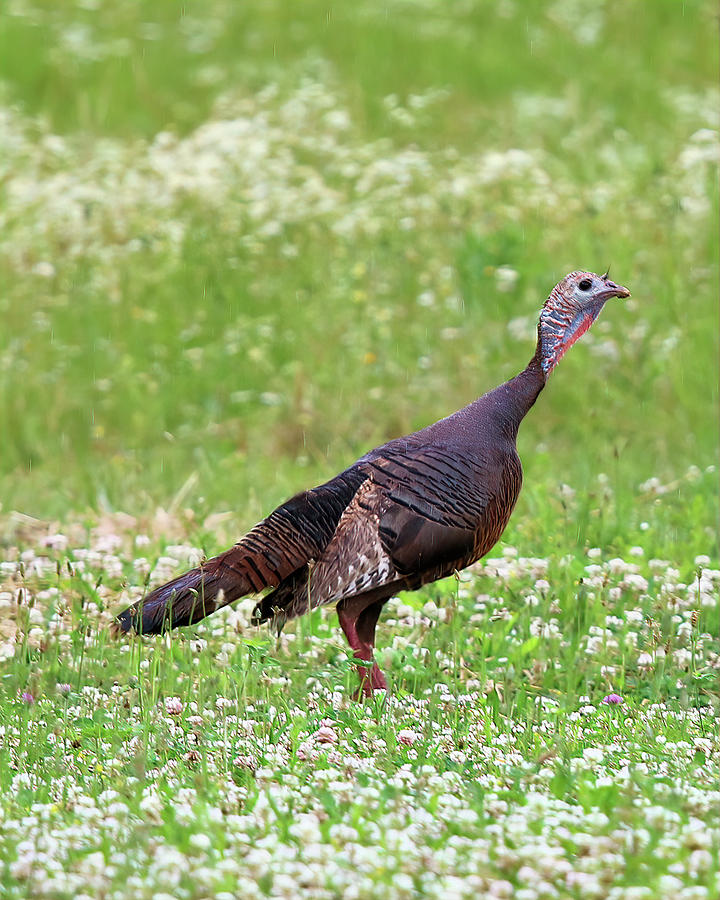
[(277, 547), (275, 605), (182, 601)]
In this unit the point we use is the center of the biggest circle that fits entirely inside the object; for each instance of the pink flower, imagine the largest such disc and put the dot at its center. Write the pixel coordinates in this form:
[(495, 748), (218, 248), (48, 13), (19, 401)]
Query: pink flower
[(27, 697), (408, 737), (326, 735), (173, 706), (612, 699), (64, 688)]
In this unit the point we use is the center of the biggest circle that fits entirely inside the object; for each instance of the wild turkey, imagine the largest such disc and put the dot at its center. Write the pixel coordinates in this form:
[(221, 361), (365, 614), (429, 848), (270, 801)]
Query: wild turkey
[(407, 513)]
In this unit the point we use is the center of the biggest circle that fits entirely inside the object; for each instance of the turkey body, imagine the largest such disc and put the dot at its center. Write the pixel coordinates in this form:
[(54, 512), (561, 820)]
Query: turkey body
[(414, 510)]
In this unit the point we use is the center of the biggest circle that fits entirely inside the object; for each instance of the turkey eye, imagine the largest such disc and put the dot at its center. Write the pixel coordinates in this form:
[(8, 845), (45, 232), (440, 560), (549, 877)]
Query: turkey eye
[(585, 284)]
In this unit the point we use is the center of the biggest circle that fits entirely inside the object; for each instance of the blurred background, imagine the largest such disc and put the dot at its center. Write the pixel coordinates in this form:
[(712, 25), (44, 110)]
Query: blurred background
[(240, 244)]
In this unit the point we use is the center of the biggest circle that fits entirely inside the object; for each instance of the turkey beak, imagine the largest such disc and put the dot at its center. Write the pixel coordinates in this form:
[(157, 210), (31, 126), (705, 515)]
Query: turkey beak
[(613, 290)]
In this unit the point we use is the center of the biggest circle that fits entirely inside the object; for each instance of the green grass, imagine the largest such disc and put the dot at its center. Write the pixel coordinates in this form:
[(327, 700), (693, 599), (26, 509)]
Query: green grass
[(102, 398), (239, 246), (221, 756)]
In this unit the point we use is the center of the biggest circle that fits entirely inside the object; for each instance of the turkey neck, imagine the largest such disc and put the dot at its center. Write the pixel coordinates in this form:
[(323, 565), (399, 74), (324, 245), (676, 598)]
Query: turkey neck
[(509, 403)]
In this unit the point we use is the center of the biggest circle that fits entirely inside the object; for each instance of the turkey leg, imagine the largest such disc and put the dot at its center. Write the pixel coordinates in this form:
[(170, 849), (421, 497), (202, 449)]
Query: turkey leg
[(359, 628)]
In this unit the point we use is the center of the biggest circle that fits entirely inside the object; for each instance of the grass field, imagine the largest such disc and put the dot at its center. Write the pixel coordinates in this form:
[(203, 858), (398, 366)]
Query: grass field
[(240, 244)]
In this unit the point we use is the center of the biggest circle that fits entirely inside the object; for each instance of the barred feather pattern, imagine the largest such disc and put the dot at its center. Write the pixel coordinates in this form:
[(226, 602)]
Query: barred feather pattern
[(353, 563), (419, 516), (273, 550)]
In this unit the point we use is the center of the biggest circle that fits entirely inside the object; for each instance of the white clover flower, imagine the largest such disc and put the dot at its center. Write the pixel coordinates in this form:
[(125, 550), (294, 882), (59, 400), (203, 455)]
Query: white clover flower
[(200, 841), (152, 806), (703, 745), (501, 889), (174, 706), (506, 278), (682, 657), (651, 486)]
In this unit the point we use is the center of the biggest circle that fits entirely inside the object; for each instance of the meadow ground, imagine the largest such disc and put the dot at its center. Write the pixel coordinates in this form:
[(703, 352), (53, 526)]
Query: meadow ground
[(238, 247)]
